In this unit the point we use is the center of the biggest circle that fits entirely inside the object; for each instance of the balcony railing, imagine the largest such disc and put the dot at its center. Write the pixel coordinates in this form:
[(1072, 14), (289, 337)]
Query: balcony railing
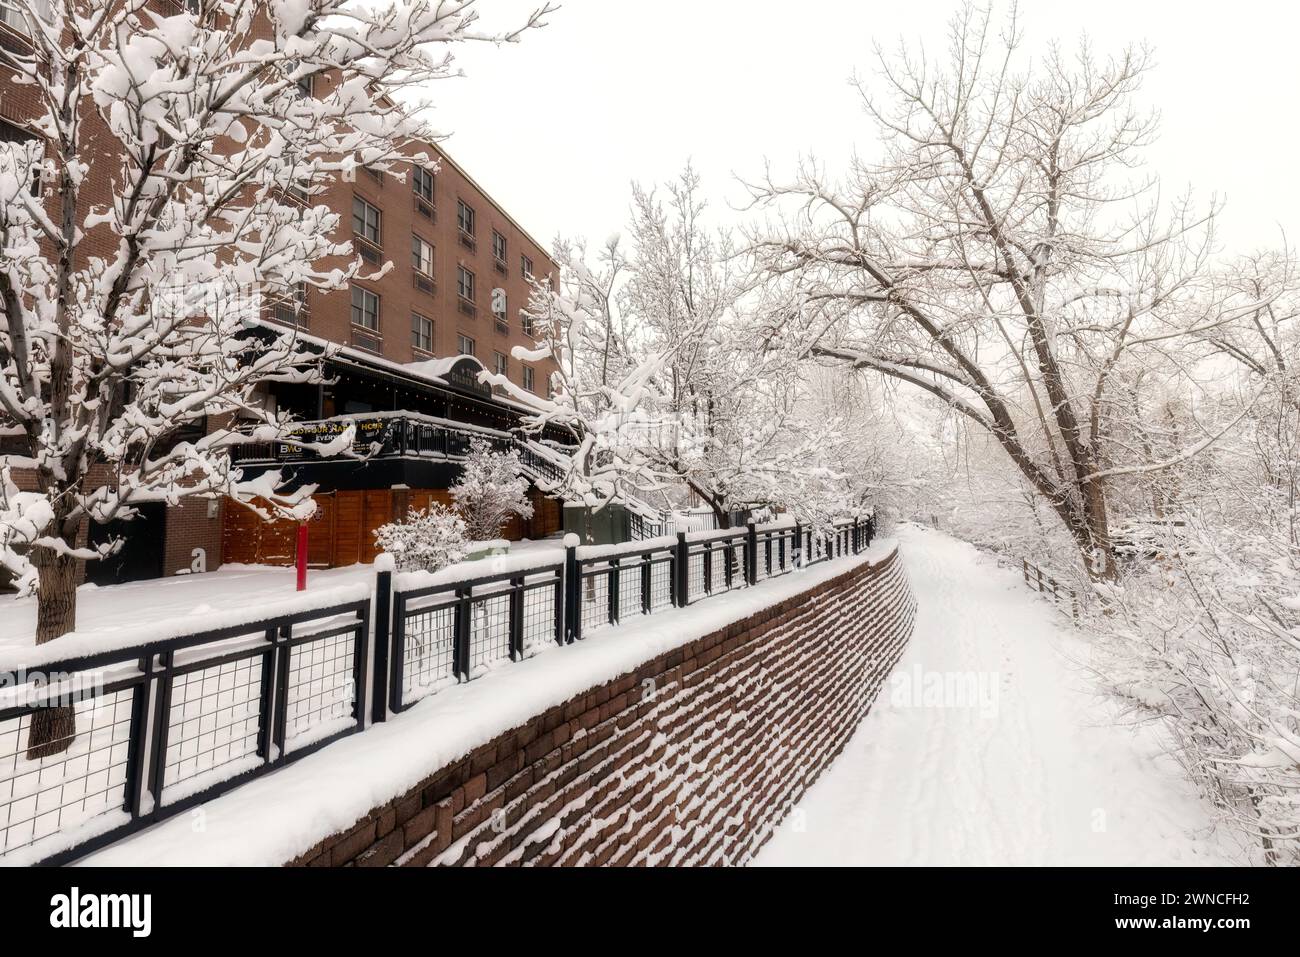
[(397, 436)]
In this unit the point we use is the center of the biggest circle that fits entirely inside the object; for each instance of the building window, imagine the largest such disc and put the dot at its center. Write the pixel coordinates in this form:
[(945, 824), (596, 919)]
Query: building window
[(465, 344), (11, 13), (526, 323), (421, 332), (422, 183), (499, 307), (291, 306), (528, 378), (465, 217), (498, 247), (421, 256), (365, 221), (13, 134), (526, 267), (501, 364), (465, 283), (365, 309)]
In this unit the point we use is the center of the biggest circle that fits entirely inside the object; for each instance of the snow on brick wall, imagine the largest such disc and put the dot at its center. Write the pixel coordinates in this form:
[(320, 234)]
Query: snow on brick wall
[(693, 759)]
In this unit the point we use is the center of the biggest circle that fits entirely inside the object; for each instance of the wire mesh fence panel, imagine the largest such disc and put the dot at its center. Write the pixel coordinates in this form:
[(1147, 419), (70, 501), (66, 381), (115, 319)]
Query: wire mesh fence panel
[(321, 694), (629, 590), (428, 651), (695, 577), (595, 599), (540, 613), (733, 559), (489, 643), (213, 724), (661, 584), (42, 796)]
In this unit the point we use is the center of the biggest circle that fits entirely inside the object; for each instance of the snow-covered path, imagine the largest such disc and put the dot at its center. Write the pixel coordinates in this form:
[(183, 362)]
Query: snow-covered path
[(1022, 762)]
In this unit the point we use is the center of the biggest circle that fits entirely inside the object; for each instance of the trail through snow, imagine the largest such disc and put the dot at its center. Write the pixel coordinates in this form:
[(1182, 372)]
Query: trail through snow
[(1032, 765)]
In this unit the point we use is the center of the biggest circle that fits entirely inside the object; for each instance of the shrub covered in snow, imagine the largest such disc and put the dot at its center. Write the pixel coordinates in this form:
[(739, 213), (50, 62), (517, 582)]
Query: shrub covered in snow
[(425, 541), (490, 491)]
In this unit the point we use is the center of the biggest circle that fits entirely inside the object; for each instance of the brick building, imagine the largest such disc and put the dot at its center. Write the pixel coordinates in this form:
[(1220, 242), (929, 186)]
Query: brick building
[(410, 346)]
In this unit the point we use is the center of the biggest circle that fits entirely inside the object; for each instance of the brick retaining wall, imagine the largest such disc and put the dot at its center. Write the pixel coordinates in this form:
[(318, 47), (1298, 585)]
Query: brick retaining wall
[(691, 760)]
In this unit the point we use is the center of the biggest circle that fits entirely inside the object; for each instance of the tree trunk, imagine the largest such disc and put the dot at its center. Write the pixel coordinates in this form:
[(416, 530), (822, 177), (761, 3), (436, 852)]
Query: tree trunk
[(54, 729)]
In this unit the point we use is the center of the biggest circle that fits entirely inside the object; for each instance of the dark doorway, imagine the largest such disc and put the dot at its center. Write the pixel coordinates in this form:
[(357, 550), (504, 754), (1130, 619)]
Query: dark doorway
[(141, 555)]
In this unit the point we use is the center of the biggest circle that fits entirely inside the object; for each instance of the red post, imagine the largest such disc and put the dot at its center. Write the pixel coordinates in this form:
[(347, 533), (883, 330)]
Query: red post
[(302, 556)]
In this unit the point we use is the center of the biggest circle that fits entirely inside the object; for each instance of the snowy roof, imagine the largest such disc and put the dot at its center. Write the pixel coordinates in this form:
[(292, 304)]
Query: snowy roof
[(429, 371)]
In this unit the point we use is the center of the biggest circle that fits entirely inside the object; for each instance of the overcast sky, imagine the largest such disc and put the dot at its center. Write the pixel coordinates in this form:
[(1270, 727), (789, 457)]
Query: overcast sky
[(556, 127)]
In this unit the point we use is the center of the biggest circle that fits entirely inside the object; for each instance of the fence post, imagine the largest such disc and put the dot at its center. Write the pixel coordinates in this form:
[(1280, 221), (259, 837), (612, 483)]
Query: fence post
[(796, 546), (708, 568), (681, 571), (572, 596), (560, 620), (614, 589), (461, 649), (517, 619), (383, 644), (871, 530), (645, 584), (751, 554)]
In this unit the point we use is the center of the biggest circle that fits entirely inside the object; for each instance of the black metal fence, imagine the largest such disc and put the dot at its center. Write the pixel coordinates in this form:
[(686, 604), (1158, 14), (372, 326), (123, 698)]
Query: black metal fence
[(148, 731), (444, 634), (158, 728)]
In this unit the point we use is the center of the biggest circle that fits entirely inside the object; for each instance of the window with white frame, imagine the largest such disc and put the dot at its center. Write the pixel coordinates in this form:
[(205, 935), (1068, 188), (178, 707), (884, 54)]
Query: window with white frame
[(501, 364), (365, 309), (366, 221), (14, 134), (528, 378), (465, 283), (421, 332), (465, 344), (422, 183), (498, 247), (526, 267), (465, 217), (422, 256), (13, 15)]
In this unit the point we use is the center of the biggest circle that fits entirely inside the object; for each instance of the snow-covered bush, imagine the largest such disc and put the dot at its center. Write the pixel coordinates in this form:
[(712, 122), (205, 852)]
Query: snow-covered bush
[(1204, 640), (490, 491), (426, 541)]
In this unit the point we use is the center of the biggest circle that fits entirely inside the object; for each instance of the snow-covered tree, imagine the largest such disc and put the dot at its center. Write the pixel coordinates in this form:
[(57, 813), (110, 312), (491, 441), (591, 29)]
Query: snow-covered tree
[(599, 387), (662, 380), (168, 191), (998, 256), (721, 418), (490, 491), (426, 541)]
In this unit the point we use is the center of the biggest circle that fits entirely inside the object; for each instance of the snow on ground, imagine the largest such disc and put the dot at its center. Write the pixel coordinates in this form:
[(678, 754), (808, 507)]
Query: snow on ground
[(1023, 761), (119, 615)]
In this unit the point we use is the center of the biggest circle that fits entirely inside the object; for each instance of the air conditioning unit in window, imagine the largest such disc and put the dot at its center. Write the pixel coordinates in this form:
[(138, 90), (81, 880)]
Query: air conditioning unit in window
[(501, 267), (370, 254), (468, 241), (427, 210), (365, 341), (467, 307), (424, 284)]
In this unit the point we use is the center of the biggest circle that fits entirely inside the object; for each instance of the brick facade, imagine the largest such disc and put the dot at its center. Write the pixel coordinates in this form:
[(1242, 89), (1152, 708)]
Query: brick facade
[(691, 760)]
